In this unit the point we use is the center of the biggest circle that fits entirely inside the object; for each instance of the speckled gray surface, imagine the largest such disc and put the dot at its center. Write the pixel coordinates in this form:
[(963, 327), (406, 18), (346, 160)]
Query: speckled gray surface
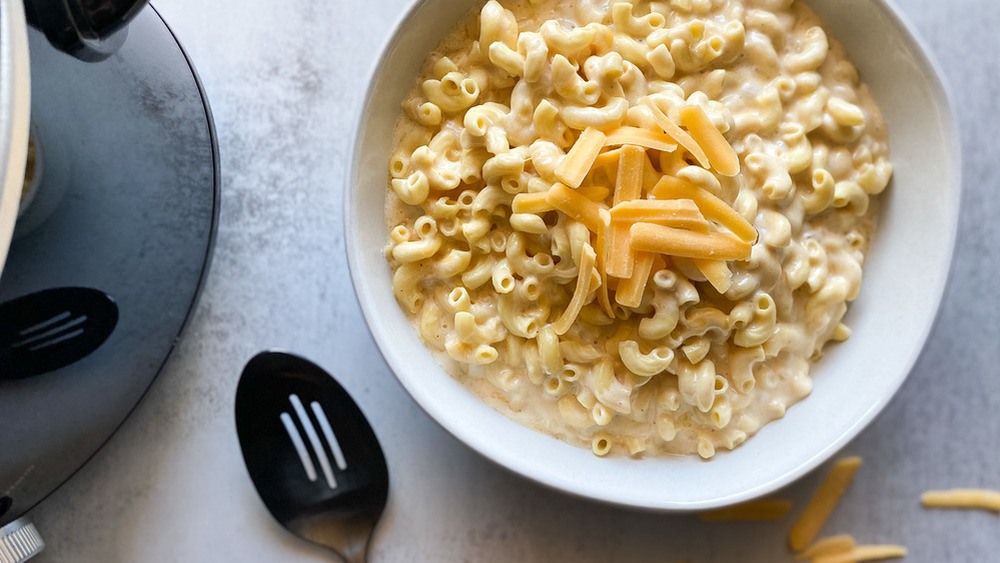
[(282, 78)]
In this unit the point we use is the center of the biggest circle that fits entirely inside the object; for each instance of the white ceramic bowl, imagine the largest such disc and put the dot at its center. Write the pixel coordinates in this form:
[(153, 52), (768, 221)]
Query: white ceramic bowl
[(905, 276)]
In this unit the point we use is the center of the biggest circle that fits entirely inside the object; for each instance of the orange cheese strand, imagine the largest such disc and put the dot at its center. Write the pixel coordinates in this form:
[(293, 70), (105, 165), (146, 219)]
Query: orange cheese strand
[(629, 292), (630, 172), (688, 244), (710, 205), (678, 134), (573, 168), (626, 135), (720, 153), (575, 205)]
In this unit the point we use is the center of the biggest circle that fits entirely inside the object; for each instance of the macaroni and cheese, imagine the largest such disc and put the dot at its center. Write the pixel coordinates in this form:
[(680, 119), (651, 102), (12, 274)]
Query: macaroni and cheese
[(635, 225)]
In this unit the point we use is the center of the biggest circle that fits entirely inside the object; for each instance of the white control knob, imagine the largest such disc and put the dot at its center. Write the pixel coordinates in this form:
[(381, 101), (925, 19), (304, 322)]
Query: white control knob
[(19, 541)]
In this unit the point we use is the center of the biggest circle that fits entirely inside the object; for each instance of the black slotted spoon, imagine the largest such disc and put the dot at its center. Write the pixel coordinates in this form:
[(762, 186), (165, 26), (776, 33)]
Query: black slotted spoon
[(313, 458), (47, 330)]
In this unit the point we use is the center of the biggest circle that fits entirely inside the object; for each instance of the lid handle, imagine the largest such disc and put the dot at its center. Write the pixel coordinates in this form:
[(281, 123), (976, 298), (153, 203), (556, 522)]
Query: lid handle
[(90, 30)]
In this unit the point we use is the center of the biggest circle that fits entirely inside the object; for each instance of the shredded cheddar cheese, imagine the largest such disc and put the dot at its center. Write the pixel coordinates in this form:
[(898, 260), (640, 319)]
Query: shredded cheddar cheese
[(823, 502), (962, 498), (678, 220)]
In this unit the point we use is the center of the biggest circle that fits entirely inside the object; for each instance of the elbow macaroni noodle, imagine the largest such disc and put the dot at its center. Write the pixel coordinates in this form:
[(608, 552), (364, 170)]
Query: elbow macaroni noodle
[(635, 225)]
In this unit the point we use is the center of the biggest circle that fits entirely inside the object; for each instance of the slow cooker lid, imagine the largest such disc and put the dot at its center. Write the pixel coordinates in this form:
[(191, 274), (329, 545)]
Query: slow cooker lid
[(127, 203)]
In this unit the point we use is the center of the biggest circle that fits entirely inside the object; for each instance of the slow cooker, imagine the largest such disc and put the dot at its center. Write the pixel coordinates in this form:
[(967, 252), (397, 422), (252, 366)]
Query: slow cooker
[(15, 102), (122, 197)]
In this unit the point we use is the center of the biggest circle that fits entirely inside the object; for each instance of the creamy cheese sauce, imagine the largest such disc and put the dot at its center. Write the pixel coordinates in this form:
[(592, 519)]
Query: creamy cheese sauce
[(483, 287)]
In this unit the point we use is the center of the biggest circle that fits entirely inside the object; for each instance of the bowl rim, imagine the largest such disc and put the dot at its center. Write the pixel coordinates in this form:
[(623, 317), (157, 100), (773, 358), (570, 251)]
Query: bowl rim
[(941, 94)]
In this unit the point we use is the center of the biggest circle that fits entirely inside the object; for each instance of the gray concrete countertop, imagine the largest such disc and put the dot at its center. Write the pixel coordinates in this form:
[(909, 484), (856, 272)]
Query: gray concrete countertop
[(283, 81)]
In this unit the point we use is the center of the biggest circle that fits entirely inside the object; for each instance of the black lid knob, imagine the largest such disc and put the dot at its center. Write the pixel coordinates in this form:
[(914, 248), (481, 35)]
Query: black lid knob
[(90, 30)]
